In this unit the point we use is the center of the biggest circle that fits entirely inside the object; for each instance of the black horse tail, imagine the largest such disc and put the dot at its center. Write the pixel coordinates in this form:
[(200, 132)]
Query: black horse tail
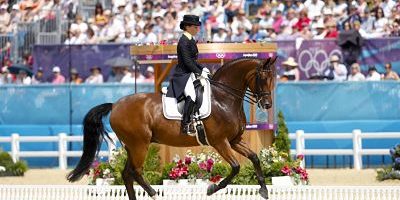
[(93, 134)]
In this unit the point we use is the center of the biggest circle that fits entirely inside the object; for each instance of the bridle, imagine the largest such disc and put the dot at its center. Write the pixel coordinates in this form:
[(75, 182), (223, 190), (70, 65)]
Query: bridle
[(249, 96)]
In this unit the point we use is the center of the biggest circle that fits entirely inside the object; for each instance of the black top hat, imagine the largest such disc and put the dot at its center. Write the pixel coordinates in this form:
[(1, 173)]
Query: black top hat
[(190, 20)]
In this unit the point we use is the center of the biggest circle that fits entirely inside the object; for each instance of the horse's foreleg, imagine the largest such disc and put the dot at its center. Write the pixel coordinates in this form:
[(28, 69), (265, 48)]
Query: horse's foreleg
[(244, 150), (225, 151)]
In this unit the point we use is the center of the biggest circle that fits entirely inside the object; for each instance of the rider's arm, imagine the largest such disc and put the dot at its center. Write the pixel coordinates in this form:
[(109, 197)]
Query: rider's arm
[(187, 60)]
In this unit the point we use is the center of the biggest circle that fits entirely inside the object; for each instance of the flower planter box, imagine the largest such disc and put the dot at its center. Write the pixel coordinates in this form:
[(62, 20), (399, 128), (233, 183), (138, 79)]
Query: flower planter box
[(186, 182), (104, 181), (282, 181)]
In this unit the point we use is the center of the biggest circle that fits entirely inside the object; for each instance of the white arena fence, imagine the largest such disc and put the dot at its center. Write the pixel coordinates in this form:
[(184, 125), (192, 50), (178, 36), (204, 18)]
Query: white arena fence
[(193, 192), (63, 153)]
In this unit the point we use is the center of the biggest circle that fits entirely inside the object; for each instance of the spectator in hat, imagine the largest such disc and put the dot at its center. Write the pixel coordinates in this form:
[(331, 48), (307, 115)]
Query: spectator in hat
[(149, 37), (38, 77), (221, 35), (149, 75), (4, 18), (320, 31), (390, 74), (373, 75), (240, 36), (95, 77), (242, 21), (291, 72), (15, 18), (57, 78), (336, 71), (5, 76), (368, 22), (115, 75), (75, 79), (23, 78), (355, 74), (129, 77)]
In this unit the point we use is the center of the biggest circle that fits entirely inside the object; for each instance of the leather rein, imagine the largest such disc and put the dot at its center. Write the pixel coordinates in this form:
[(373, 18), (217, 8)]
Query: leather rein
[(249, 96)]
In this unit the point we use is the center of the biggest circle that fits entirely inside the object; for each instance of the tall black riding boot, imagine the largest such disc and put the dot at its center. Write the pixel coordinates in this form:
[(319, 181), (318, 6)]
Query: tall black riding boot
[(187, 116)]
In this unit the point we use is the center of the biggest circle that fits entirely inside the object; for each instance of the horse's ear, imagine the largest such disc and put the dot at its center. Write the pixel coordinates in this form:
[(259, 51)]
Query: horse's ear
[(265, 66), (272, 63)]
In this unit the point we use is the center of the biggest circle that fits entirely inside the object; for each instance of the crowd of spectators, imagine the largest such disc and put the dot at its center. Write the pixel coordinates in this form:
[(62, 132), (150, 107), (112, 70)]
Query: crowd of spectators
[(118, 75), (336, 71), (157, 21), (146, 21)]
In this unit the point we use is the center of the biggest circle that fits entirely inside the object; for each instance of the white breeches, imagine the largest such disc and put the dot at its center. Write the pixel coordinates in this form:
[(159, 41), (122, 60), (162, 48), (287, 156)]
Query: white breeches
[(189, 88)]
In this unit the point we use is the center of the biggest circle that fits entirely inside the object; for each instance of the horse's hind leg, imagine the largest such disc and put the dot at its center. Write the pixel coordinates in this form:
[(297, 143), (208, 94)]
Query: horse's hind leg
[(127, 176), (224, 149), (244, 150), (136, 157)]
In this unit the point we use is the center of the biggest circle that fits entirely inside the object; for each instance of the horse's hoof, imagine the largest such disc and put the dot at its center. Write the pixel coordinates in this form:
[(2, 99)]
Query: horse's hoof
[(212, 189), (264, 193)]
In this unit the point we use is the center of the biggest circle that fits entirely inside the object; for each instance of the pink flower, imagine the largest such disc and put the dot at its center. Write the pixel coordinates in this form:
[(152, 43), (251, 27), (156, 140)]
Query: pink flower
[(188, 160), (300, 156), (203, 166), (210, 164), (180, 163), (95, 164), (173, 175), (215, 179), (304, 176), (286, 170)]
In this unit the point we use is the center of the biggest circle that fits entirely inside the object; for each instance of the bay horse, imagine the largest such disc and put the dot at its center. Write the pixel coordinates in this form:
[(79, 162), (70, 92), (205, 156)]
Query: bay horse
[(138, 120)]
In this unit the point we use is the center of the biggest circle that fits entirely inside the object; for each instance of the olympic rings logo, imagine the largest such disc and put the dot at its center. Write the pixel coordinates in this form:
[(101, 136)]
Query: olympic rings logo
[(149, 57), (220, 55), (316, 59)]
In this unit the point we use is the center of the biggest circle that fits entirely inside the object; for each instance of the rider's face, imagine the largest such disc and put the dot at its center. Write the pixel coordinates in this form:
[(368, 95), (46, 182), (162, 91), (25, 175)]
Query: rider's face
[(193, 29)]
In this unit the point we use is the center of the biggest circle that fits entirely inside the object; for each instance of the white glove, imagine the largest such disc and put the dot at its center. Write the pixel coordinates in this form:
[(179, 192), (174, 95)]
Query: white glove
[(205, 72), (203, 81)]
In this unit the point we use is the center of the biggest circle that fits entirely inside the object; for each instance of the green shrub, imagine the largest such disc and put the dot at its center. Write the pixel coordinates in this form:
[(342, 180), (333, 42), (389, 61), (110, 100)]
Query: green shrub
[(5, 159), (246, 176), (222, 169), (282, 141), (12, 169), (166, 169)]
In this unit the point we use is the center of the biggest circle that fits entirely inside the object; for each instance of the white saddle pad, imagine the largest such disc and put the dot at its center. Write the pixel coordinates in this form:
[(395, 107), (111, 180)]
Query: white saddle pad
[(174, 110)]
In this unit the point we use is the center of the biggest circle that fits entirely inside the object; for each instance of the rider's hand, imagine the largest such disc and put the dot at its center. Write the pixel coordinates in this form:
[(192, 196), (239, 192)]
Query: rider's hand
[(205, 72)]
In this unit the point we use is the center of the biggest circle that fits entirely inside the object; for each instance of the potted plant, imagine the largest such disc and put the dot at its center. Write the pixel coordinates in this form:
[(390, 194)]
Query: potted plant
[(110, 172), (100, 173), (393, 171), (203, 168)]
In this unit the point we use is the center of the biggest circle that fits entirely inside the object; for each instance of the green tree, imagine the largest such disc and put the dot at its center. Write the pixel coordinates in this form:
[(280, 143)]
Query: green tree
[(282, 142)]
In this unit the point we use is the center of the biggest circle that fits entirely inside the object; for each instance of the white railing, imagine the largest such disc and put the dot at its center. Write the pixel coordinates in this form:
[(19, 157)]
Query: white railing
[(63, 153), (185, 192), (356, 136)]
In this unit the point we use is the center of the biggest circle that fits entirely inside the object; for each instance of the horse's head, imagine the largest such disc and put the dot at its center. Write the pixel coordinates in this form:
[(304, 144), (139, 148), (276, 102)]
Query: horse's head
[(263, 83)]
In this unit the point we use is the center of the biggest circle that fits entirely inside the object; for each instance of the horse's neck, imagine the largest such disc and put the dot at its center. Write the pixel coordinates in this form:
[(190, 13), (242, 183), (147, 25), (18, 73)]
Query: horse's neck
[(235, 77)]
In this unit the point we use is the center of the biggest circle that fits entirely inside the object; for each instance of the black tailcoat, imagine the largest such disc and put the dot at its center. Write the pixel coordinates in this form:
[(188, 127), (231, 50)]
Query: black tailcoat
[(187, 63)]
